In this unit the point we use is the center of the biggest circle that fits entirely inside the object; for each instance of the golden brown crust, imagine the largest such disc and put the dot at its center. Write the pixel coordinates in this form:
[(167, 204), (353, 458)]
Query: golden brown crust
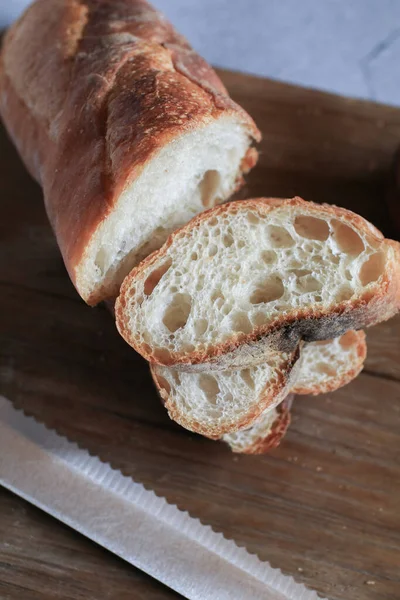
[(273, 438), (334, 383), (89, 92), (272, 393), (285, 332)]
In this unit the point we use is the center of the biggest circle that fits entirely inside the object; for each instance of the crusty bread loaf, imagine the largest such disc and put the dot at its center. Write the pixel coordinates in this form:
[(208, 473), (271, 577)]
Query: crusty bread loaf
[(254, 277), (266, 434), (221, 402), (328, 365), (129, 132), (214, 404)]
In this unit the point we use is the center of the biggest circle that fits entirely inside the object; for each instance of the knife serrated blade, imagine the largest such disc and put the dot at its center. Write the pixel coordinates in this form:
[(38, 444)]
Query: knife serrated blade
[(121, 515)]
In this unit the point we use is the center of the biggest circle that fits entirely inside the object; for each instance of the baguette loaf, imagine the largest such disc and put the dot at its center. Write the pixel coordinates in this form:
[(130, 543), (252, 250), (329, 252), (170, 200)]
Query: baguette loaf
[(266, 434), (128, 131), (214, 404), (251, 278), (223, 402)]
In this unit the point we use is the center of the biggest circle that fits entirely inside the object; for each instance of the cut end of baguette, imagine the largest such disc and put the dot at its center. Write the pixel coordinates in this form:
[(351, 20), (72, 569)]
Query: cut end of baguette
[(213, 404), (266, 434), (195, 171), (255, 275), (328, 365)]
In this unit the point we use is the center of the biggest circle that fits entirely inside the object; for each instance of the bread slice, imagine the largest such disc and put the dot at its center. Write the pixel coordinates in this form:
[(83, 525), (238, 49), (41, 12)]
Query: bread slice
[(324, 367), (266, 434), (221, 402), (129, 132), (254, 277), (328, 365)]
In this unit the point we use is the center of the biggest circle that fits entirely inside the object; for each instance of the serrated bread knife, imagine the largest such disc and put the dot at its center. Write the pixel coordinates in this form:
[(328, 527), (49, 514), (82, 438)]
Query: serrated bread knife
[(129, 520)]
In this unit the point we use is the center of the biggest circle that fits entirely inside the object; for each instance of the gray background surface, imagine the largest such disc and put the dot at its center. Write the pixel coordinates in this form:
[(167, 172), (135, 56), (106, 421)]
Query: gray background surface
[(351, 47)]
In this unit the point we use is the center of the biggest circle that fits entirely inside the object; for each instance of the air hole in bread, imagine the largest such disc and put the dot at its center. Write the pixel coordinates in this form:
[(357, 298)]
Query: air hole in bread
[(200, 326), (175, 376), (212, 251), (347, 240), (348, 275), (155, 277), (194, 256), (208, 187), (227, 240), (240, 322), (100, 259), (311, 228), (260, 318), (146, 336), (161, 354), (241, 244), (348, 340), (345, 292), (217, 295), (300, 272), (325, 369), (188, 347), (228, 397), (210, 387), (253, 218), (163, 384), (268, 257), (219, 303), (177, 313), (226, 309), (268, 290), (245, 374), (279, 237), (372, 269), (308, 283), (146, 348)]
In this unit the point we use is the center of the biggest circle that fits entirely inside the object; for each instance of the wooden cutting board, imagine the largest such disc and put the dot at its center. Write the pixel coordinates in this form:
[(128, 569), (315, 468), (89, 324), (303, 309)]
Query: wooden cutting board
[(324, 506)]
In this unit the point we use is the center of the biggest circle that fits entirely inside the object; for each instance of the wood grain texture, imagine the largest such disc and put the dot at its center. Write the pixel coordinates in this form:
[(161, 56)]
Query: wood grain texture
[(324, 506)]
